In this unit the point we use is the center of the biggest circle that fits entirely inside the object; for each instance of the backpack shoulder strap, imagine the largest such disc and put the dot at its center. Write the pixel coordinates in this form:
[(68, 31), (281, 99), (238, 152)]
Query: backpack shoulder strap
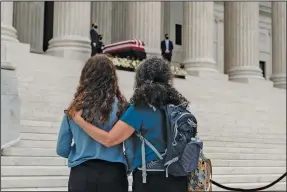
[(165, 122), (145, 141)]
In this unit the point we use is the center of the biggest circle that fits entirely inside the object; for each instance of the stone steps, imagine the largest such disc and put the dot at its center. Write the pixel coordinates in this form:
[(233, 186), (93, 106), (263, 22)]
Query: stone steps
[(244, 140), (62, 181), (42, 127), (34, 171), (231, 138), (29, 152), (39, 136), (257, 178), (270, 136), (244, 134), (32, 161), (219, 144), (31, 129), (209, 149), (211, 152), (63, 170), (58, 161), (247, 163), (237, 156), (37, 189), (36, 144), (37, 123), (34, 181), (244, 145), (278, 187)]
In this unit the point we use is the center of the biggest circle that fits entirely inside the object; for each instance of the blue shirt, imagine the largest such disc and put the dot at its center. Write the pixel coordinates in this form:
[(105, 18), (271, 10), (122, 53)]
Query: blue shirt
[(149, 123), (84, 147), (167, 44)]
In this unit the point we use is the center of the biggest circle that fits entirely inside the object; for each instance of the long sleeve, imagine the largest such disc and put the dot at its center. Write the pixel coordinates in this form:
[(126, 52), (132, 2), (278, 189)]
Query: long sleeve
[(64, 139), (171, 46), (92, 35), (162, 46)]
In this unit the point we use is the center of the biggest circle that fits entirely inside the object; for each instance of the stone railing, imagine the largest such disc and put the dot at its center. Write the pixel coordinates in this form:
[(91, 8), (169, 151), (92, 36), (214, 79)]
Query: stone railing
[(10, 103)]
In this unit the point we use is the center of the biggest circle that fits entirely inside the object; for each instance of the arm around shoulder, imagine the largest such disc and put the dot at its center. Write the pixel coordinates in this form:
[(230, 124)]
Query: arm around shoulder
[(121, 131)]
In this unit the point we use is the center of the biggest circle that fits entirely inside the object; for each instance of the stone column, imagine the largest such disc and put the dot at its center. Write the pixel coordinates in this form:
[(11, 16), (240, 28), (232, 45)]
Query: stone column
[(71, 30), (165, 20), (102, 15), (29, 22), (241, 32), (197, 44), (144, 23), (279, 44), (8, 32), (119, 15), (10, 102)]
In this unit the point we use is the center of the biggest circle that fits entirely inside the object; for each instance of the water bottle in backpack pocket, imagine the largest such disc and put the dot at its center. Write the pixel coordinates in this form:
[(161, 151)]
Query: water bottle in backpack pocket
[(190, 156)]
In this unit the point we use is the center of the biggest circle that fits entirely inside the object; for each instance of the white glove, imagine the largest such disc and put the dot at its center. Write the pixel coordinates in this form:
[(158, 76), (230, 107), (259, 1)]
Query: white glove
[(94, 44)]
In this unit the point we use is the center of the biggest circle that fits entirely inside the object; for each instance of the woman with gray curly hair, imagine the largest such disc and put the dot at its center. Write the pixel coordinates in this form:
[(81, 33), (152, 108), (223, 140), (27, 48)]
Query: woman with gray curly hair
[(153, 88)]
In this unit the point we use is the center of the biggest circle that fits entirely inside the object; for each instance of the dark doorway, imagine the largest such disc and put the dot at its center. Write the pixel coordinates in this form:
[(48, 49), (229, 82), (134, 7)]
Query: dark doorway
[(178, 34), (48, 23), (262, 67)]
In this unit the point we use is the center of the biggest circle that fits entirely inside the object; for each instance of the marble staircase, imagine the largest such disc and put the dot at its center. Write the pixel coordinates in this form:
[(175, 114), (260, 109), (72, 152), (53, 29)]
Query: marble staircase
[(243, 126)]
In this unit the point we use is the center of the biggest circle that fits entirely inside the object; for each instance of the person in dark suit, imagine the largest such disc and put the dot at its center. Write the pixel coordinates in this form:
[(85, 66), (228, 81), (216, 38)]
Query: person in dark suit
[(166, 48), (101, 44), (94, 39)]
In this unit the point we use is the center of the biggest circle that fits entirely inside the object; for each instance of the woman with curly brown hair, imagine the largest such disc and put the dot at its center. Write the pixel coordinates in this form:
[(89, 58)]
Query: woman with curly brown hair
[(153, 88), (94, 167)]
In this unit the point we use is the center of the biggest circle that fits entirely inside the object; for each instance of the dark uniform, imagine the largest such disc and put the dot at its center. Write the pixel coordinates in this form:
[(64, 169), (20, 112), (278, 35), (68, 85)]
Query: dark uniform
[(166, 45), (94, 39), (101, 44)]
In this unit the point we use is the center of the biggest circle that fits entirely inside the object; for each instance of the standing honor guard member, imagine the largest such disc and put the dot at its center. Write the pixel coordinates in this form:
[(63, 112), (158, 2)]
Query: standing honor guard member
[(101, 44), (166, 48), (94, 39)]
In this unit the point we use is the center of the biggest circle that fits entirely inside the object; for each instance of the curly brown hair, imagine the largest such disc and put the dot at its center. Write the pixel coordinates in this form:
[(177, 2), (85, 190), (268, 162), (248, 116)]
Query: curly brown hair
[(97, 90)]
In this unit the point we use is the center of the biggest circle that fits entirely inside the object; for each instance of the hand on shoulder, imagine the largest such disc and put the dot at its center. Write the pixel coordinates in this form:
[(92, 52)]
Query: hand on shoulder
[(77, 116)]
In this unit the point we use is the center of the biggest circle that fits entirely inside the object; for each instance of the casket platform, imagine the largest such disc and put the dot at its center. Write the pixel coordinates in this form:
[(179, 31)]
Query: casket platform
[(127, 55), (131, 49)]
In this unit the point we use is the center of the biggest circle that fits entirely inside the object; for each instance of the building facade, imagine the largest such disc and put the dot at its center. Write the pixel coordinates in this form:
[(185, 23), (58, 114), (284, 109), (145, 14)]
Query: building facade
[(45, 44), (246, 40)]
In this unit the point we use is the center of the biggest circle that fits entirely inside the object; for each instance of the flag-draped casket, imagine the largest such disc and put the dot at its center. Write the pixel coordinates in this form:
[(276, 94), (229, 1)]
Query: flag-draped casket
[(127, 55), (132, 49)]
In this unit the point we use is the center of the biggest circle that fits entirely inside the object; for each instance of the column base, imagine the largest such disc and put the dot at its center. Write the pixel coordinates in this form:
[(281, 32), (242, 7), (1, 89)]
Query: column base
[(203, 68), (8, 33), (152, 52), (77, 48), (204, 64), (251, 75), (244, 72), (279, 80)]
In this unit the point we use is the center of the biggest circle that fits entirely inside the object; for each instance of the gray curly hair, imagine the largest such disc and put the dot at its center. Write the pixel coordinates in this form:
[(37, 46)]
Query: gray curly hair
[(153, 84)]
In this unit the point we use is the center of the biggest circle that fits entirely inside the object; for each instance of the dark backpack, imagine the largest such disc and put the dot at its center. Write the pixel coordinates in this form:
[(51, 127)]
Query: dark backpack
[(183, 148)]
